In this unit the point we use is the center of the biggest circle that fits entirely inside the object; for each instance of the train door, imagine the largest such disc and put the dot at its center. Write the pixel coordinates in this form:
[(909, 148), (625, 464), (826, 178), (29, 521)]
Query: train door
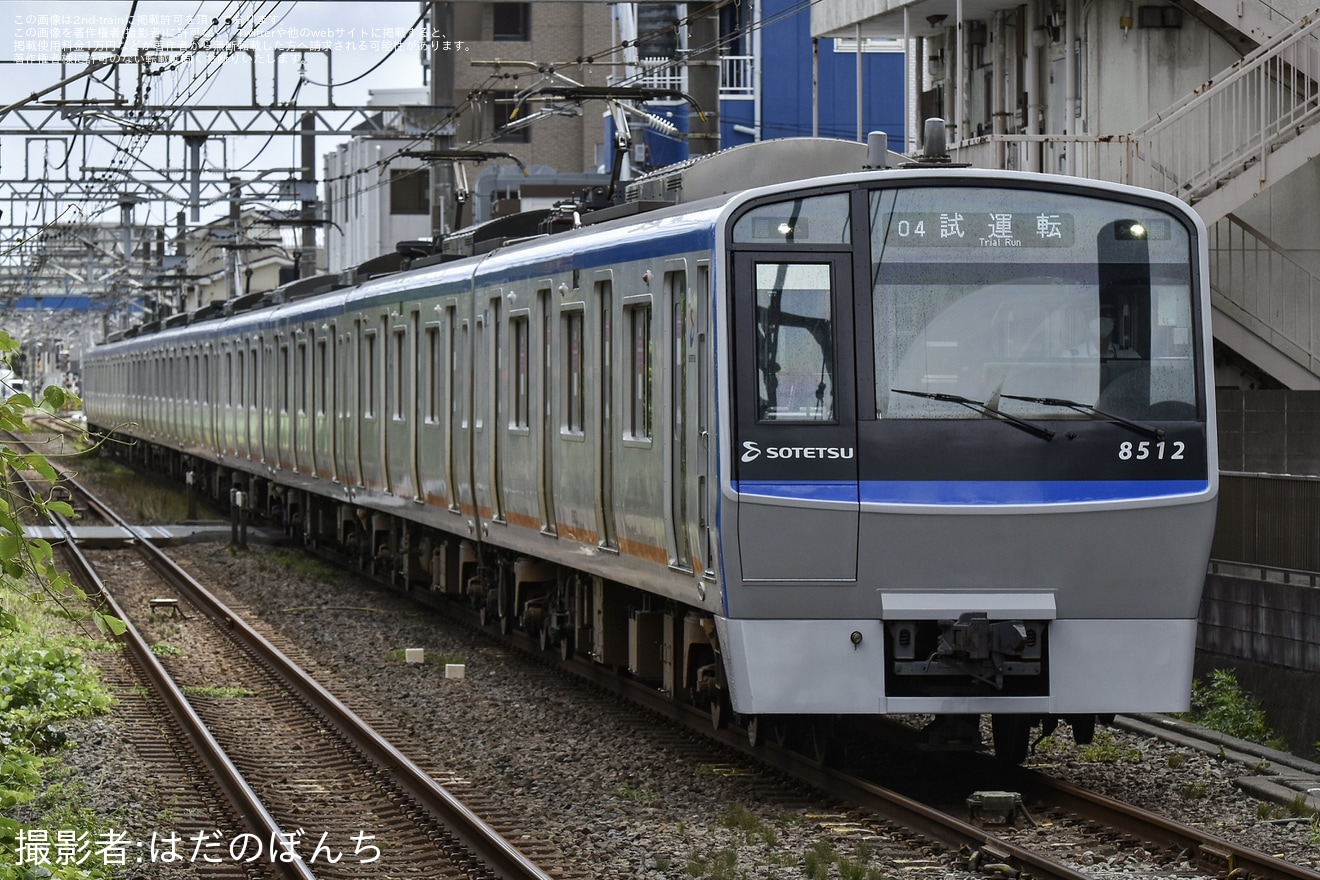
[(209, 398), (347, 369), (453, 412), (704, 412), (270, 430), (320, 401), (608, 537), (300, 446), (378, 348), (548, 426), (343, 350), (251, 401), (794, 415), (679, 378), (234, 410), (415, 407), (396, 417), (279, 405), (497, 379), (431, 438)]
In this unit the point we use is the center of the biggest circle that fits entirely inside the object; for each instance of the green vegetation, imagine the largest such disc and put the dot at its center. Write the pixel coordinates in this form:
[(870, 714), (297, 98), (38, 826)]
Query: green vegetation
[(1297, 808), (138, 499), (299, 563), (739, 818), (1220, 704), (44, 681), (44, 684), (1104, 749), (630, 794), (722, 866), (821, 857)]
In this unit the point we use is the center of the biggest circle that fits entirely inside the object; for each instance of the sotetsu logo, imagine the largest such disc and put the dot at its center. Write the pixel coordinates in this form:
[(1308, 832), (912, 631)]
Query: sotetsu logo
[(752, 451)]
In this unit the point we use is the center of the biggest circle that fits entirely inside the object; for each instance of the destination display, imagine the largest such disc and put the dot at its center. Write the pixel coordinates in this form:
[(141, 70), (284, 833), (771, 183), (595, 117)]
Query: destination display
[(1008, 229)]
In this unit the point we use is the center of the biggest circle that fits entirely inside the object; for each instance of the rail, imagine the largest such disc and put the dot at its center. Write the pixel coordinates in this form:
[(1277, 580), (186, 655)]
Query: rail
[(243, 801), (468, 829)]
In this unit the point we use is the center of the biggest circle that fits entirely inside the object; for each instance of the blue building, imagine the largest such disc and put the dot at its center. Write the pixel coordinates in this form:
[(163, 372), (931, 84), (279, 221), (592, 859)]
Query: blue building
[(796, 87), (775, 80)]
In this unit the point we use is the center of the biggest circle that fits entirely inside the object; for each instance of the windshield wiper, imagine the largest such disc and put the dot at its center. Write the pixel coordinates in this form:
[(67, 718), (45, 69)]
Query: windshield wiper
[(983, 409), (1087, 409)]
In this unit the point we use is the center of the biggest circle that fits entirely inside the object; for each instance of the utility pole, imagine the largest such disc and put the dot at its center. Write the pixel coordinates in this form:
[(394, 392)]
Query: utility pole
[(442, 95), (308, 259), (704, 78), (236, 224)]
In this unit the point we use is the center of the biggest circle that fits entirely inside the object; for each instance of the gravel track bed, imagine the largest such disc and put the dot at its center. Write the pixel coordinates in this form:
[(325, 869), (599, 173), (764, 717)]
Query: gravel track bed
[(622, 805), (619, 804)]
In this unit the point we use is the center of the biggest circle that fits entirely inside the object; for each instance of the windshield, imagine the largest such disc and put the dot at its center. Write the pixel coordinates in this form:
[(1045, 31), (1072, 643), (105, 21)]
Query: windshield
[(1018, 299)]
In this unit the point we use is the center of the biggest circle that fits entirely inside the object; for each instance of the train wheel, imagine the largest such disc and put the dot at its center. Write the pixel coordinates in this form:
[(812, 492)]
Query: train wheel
[(483, 616), (772, 729), (565, 647), (818, 741), (506, 623), (721, 710), (1083, 728), (545, 638), (1012, 736)]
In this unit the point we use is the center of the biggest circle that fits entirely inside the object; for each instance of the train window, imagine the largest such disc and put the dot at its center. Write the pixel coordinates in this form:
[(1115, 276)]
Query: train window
[(322, 375), (638, 320), (573, 391), (369, 376), (400, 341), (1019, 299), (812, 220), (435, 367), (285, 379), (794, 342), (252, 379), (302, 376), (520, 330)]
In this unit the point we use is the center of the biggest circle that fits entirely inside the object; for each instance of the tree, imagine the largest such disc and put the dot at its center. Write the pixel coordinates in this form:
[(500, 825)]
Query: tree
[(27, 564)]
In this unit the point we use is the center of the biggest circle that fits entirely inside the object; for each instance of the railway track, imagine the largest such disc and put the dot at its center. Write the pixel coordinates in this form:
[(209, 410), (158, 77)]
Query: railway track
[(1092, 822), (312, 791), (1081, 820)]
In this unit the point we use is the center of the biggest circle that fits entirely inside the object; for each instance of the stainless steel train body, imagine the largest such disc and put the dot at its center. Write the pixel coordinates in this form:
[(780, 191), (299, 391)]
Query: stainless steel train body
[(890, 442)]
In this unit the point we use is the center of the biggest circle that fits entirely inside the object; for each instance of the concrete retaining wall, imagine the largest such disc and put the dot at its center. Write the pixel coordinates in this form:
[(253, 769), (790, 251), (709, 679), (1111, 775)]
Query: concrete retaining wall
[(1268, 632)]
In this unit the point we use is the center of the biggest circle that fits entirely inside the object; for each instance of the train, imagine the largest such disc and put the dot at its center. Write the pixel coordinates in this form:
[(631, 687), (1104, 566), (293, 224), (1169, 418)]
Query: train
[(793, 433)]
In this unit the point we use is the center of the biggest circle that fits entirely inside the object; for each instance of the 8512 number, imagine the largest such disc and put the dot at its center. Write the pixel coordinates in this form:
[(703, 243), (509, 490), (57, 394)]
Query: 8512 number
[(1160, 451)]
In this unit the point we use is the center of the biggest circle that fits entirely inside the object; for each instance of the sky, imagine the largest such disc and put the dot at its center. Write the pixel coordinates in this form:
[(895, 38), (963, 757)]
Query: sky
[(361, 37), (359, 33)]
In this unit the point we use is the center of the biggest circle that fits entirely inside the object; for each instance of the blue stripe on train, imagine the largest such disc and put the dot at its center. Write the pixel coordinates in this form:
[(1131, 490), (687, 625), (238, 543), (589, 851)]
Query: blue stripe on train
[(974, 491)]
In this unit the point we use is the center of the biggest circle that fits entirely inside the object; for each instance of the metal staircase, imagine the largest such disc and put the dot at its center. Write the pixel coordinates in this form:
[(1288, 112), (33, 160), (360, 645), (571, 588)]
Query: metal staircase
[(1241, 133), (1220, 148)]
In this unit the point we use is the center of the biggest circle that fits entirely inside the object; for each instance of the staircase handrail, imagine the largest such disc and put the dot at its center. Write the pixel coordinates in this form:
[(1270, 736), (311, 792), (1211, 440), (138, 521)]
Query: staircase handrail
[(1306, 26), (1258, 300)]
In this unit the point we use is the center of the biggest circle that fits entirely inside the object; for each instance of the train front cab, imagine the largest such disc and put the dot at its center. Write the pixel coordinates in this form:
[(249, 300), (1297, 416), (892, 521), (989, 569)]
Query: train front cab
[(941, 495)]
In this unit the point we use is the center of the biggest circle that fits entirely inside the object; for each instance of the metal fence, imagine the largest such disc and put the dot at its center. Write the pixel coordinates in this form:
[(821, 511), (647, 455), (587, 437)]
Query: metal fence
[(1269, 520)]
